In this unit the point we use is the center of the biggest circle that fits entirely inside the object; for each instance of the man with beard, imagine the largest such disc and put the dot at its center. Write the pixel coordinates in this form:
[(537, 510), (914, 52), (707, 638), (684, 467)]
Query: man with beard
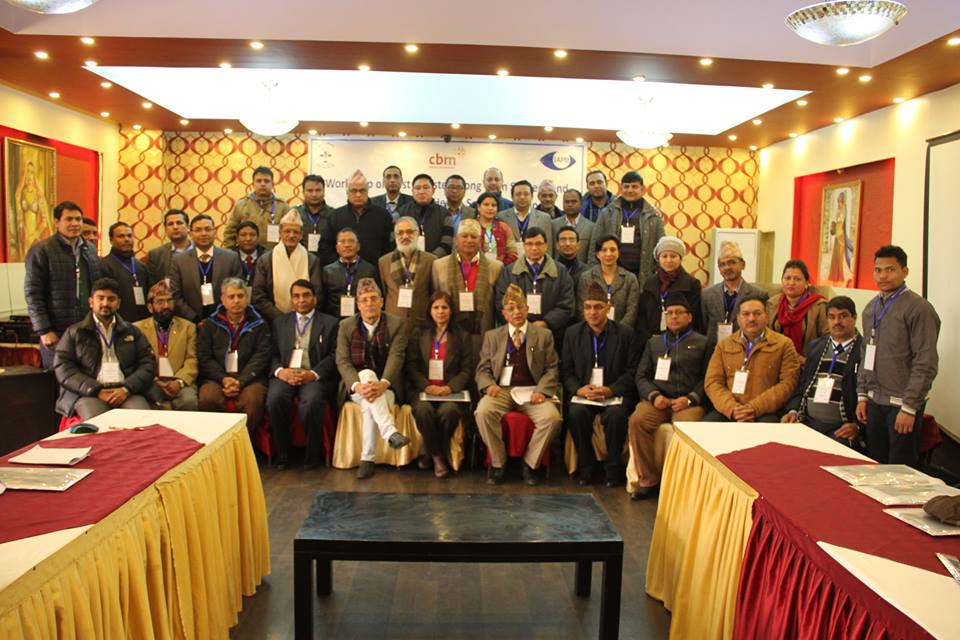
[(405, 274), (174, 342)]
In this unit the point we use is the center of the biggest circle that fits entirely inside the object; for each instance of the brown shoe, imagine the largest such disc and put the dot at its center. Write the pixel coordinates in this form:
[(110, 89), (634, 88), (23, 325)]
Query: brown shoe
[(366, 469)]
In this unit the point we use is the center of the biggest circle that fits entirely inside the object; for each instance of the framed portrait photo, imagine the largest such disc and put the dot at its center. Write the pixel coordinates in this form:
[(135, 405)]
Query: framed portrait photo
[(30, 185), (839, 234)]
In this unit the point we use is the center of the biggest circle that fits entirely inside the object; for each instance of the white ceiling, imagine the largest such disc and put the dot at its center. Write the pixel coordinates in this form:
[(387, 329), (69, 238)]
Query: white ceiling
[(745, 29)]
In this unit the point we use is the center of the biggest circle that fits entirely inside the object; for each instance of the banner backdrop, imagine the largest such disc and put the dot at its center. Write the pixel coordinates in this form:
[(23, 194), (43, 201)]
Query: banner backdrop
[(336, 158)]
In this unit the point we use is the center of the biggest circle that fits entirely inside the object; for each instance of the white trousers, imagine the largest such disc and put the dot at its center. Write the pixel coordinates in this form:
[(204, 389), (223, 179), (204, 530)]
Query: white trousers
[(377, 416)]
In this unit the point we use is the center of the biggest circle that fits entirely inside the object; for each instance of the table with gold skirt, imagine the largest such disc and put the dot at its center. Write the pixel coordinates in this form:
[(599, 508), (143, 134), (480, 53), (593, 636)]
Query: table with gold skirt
[(172, 562)]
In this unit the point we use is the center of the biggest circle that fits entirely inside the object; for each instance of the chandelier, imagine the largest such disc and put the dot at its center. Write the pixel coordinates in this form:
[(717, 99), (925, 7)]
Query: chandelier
[(267, 116), (641, 134), (845, 22), (52, 6)]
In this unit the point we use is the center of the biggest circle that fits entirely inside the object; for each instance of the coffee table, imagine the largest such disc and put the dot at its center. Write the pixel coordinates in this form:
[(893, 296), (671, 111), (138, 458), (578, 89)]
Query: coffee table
[(457, 527)]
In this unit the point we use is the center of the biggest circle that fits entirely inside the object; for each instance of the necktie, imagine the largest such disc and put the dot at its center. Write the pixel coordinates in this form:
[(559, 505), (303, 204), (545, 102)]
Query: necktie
[(249, 263), (517, 339), (205, 258)]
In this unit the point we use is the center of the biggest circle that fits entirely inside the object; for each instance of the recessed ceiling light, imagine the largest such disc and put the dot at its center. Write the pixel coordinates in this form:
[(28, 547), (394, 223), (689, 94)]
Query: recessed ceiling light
[(137, 127), (757, 121), (225, 65), (364, 123), (104, 114), (455, 125), (363, 67), (560, 53), (640, 78), (228, 131), (954, 41), (106, 85), (54, 94), (184, 121), (767, 85), (312, 132), (732, 137), (411, 48), (753, 147), (492, 136), (256, 45), (706, 62), (90, 63), (801, 103), (147, 105), (43, 55), (838, 120), (548, 128), (898, 100), (579, 139), (865, 78), (842, 71), (503, 72), (87, 40), (792, 134), (402, 134)]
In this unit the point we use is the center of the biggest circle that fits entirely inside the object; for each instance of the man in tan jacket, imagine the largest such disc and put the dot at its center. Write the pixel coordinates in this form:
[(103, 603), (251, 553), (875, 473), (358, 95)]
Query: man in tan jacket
[(752, 372), (174, 343), (262, 206), (405, 273)]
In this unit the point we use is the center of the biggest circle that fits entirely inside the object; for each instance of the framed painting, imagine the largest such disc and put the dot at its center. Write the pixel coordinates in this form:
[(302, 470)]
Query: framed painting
[(839, 234), (747, 240), (30, 185)]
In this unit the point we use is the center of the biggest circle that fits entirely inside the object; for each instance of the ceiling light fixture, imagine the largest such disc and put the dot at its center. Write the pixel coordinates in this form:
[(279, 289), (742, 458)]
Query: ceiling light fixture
[(363, 67), (256, 45), (865, 78), (54, 94), (898, 100), (706, 62), (792, 134), (184, 121), (411, 48), (503, 72), (312, 132), (580, 140), (838, 120), (137, 127), (52, 6), (87, 40), (753, 147), (104, 114), (106, 85), (492, 136), (640, 134), (560, 53), (640, 78), (42, 55), (954, 41), (802, 103), (267, 114), (147, 105), (732, 137), (842, 71), (90, 63), (455, 125), (845, 22), (548, 128), (757, 121), (228, 131), (767, 85), (364, 124), (402, 134), (225, 65)]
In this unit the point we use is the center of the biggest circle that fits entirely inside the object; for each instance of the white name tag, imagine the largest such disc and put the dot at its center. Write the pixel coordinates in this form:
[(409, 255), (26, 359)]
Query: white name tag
[(313, 241), (466, 301), (506, 375), (596, 376), (627, 234), (232, 364), (273, 233), (610, 313), (740, 381), (405, 298), (296, 359), (663, 369), (164, 370), (206, 293), (724, 330), (110, 373), (533, 303), (824, 390), (347, 306), (663, 321), (138, 296), (435, 370), (869, 355), (421, 243)]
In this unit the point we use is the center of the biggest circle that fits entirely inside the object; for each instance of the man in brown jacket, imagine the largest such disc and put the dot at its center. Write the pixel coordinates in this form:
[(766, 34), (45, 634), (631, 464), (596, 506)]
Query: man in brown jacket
[(753, 372), (406, 273), (174, 342)]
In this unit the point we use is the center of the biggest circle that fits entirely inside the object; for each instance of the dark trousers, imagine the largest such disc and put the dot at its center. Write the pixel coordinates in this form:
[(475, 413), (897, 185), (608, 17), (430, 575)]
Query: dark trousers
[(829, 429), (313, 402), (436, 422), (715, 416), (579, 422), (46, 356), (884, 444)]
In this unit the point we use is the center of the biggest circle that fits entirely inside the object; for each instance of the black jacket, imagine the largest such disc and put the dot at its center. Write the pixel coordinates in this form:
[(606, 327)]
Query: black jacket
[(459, 361), (323, 345), (688, 367), (78, 361), (118, 268), (436, 226), (648, 318), (50, 284), (808, 374), (334, 285), (253, 348), (374, 228), (622, 353)]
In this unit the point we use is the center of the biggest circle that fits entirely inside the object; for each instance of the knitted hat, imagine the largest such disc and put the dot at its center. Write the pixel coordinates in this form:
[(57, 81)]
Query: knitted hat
[(670, 243), (596, 292), (514, 295), (729, 249), (676, 299), (368, 285)]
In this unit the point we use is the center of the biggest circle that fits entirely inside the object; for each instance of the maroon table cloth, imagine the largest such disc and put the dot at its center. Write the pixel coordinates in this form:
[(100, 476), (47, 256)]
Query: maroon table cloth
[(125, 462), (789, 586)]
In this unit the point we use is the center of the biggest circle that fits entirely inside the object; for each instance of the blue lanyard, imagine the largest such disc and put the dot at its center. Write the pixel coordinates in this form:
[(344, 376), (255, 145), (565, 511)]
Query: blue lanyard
[(628, 217), (489, 238), (349, 274), (535, 269), (609, 292), (729, 302), (408, 275), (749, 349), (113, 334), (523, 225), (598, 346), (273, 206), (313, 220), (436, 345), (205, 272), (877, 317), (671, 346), (163, 338), (132, 268), (308, 320), (249, 271), (836, 352)]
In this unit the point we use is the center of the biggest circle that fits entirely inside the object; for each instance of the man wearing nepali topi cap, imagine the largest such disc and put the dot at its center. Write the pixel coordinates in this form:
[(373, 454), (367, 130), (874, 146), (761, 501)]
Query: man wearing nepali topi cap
[(721, 301)]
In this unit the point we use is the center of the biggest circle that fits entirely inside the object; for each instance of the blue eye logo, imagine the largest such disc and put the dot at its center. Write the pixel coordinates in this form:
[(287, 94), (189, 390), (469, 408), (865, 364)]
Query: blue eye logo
[(557, 161)]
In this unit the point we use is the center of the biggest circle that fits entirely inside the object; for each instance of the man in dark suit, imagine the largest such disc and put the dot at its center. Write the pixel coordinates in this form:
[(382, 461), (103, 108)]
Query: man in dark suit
[(371, 222), (392, 200), (599, 362), (316, 214), (304, 343), (720, 303), (131, 274), (826, 396), (195, 275), (339, 279), (176, 224), (435, 224), (249, 248)]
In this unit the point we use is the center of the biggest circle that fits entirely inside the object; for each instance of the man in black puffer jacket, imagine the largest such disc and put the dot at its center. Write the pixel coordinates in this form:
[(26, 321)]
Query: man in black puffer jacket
[(59, 271), (103, 362)]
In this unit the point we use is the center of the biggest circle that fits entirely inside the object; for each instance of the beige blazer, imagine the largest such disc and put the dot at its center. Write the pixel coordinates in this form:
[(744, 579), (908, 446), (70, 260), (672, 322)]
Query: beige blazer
[(396, 350), (181, 346), (541, 358), (448, 277)]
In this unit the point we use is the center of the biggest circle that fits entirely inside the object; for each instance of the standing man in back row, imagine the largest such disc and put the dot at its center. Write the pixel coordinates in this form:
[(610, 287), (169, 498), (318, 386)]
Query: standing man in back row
[(493, 182), (638, 225), (392, 200), (261, 206), (315, 214), (597, 197), (898, 364)]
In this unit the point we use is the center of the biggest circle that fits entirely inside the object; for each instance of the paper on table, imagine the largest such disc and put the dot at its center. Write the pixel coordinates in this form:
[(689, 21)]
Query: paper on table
[(899, 475), (893, 495), (463, 396), (521, 395), (925, 522), (41, 478), (43, 455), (609, 402)]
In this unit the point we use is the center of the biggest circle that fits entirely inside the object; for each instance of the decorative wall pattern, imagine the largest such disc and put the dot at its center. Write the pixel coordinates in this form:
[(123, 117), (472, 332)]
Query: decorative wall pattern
[(695, 188)]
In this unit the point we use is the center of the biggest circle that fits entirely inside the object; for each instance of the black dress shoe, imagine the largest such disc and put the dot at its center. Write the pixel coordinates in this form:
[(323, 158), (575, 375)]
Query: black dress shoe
[(643, 492), (585, 477), (530, 475), (281, 462), (495, 475), (610, 483)]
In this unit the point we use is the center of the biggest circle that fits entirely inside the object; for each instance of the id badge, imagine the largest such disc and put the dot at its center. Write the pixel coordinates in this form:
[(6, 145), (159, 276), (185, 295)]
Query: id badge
[(206, 293), (663, 321), (724, 330), (138, 298), (663, 369), (740, 382), (466, 301), (348, 306), (627, 234), (110, 373), (506, 376), (824, 390), (596, 376), (273, 233), (869, 355), (610, 313), (435, 370), (296, 359), (164, 370), (533, 303), (313, 241), (232, 362), (405, 298), (421, 243)]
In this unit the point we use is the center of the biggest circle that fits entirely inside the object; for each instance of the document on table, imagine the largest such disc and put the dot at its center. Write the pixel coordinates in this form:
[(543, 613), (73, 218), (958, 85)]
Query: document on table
[(893, 495), (41, 478), (52, 455), (521, 395), (463, 396), (898, 475), (609, 402), (925, 522)]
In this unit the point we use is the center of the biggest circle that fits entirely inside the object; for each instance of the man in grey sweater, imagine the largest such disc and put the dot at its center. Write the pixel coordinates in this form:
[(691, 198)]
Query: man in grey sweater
[(898, 363)]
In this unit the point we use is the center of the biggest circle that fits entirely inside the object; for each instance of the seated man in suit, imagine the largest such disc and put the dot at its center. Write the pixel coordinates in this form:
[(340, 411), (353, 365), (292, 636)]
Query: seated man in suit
[(670, 384), (174, 341), (176, 224), (195, 275), (279, 267), (826, 397), (249, 249), (370, 351), (233, 346), (720, 302), (405, 274), (518, 354), (752, 373), (599, 362), (102, 362), (303, 367), (339, 279)]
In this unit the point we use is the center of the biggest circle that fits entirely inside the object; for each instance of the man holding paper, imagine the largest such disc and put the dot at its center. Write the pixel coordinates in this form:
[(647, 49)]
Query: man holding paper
[(517, 359), (599, 363), (279, 267), (405, 274), (174, 341), (102, 362)]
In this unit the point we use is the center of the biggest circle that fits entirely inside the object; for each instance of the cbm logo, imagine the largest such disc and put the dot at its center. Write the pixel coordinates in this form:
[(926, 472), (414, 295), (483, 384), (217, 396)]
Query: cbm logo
[(558, 161), (441, 160)]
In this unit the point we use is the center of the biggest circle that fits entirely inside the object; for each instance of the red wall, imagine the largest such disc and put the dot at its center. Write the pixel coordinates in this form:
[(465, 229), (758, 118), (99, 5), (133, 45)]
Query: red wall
[(78, 176), (876, 214)]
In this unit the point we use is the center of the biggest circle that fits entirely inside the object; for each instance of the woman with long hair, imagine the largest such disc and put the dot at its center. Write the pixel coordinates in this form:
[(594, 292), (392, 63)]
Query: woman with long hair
[(797, 312), (497, 239)]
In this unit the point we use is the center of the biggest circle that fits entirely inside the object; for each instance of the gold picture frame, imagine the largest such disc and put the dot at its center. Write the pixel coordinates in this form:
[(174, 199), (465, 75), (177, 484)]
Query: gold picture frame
[(30, 188), (839, 246)]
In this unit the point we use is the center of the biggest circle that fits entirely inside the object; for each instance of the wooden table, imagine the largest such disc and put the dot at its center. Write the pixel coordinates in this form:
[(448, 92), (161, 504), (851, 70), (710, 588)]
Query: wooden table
[(421, 527)]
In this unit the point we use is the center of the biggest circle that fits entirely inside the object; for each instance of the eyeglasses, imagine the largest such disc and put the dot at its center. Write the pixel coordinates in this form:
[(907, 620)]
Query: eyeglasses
[(676, 313)]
